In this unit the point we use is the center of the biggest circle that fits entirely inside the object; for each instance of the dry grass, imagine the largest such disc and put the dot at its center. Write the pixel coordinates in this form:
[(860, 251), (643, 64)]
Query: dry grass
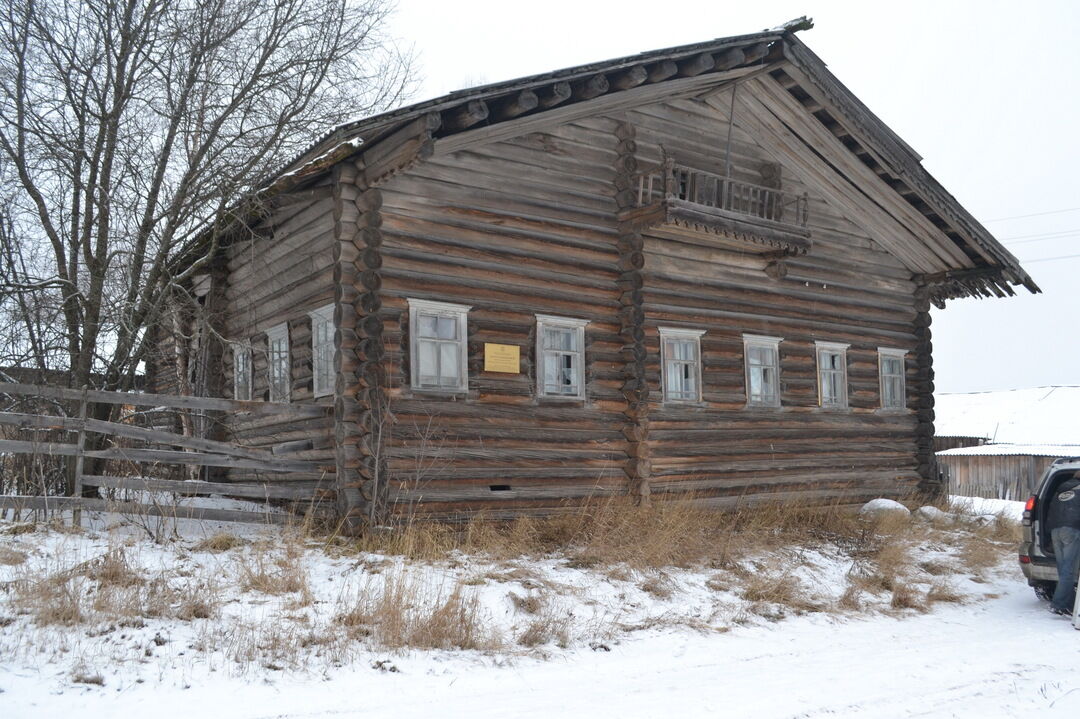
[(943, 591), (658, 585), (977, 553), (10, 557), (678, 532), (261, 571), (220, 542), (387, 601), (529, 604), (905, 596), (401, 612)]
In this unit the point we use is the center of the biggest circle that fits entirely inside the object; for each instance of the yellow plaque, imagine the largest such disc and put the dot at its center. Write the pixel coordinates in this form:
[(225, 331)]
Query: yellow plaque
[(502, 358)]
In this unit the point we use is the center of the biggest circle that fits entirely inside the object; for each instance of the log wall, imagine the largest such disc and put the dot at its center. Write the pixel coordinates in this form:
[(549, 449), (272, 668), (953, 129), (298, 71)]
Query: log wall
[(511, 229), (847, 289), (529, 225), (279, 273)]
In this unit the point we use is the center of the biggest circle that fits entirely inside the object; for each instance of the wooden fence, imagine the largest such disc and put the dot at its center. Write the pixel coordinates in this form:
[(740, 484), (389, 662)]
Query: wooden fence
[(193, 451)]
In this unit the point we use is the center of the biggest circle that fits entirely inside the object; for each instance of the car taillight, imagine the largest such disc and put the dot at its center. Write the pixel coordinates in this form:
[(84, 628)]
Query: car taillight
[(1029, 508), (1025, 559)]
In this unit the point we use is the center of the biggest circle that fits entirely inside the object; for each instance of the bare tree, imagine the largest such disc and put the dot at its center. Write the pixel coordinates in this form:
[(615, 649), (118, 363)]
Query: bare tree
[(127, 126)]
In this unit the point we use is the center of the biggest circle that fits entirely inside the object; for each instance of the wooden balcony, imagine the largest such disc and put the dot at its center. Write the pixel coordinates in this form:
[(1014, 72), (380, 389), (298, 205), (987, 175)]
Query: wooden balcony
[(684, 203)]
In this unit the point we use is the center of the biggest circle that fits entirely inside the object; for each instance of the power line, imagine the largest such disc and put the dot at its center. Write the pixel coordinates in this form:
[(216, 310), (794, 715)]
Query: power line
[(1035, 214), (1024, 242), (1048, 259), (1043, 234)]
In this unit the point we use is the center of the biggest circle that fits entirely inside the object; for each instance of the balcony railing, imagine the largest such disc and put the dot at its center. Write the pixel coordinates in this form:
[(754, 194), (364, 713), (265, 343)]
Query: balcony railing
[(672, 181)]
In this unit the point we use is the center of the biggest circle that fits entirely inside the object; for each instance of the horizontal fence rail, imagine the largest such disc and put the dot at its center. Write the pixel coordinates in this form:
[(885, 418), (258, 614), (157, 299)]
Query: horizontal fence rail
[(187, 450), (171, 401), (724, 193)]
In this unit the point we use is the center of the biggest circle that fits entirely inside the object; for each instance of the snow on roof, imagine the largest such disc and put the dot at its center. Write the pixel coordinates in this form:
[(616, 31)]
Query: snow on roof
[(1035, 416), (1026, 450)]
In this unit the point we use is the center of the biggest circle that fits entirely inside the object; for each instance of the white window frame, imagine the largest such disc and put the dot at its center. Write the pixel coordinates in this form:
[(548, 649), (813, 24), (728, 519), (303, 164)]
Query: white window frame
[(761, 342), (680, 333), (442, 309), (322, 354), (897, 354), (551, 322), (841, 349), (274, 335), (242, 367)]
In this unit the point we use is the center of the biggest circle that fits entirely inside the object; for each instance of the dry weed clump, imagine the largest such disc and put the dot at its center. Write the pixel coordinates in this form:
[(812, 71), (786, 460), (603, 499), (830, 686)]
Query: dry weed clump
[(11, 557), (905, 596), (531, 603), (978, 553), (401, 612), (260, 571), (551, 625), (220, 542), (943, 591), (658, 585)]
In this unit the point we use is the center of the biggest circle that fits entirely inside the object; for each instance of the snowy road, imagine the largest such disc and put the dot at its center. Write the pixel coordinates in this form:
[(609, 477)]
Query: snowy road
[(1004, 657)]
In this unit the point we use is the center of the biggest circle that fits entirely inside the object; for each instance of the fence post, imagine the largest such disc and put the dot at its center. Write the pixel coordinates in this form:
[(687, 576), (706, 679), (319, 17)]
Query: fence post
[(80, 446)]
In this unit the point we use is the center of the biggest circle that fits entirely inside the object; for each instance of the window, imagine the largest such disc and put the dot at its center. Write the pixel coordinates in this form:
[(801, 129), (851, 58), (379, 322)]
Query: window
[(891, 371), (278, 374), (241, 372), (680, 351), (322, 351), (832, 374), (439, 355), (762, 358), (560, 357)]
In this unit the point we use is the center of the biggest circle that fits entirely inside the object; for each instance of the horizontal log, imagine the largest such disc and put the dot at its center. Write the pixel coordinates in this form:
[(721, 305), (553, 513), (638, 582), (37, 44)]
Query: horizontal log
[(206, 514), (464, 117), (140, 399), (193, 488), (159, 455), (556, 95), (524, 101)]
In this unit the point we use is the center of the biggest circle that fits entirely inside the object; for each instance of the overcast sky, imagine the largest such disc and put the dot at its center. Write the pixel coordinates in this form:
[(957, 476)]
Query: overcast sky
[(987, 92)]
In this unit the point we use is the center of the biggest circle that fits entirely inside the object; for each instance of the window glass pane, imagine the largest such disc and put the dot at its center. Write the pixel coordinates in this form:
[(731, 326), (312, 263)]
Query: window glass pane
[(673, 383), (681, 350), (558, 338), (768, 384), (566, 367), (550, 371), (688, 382), (447, 328), (449, 361), (757, 384), (428, 325), (756, 355), (891, 365), (427, 358)]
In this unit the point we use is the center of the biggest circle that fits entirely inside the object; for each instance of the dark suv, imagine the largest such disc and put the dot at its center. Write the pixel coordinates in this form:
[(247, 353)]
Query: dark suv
[(1036, 552)]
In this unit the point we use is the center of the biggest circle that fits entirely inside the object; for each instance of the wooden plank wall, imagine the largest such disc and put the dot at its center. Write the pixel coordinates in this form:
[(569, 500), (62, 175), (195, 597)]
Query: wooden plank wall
[(846, 290), (994, 476), (512, 229), (527, 226), (279, 276)]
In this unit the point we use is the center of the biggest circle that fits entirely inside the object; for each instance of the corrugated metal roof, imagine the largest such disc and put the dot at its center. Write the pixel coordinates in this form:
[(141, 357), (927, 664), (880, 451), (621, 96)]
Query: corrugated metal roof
[(1035, 415), (1017, 450)]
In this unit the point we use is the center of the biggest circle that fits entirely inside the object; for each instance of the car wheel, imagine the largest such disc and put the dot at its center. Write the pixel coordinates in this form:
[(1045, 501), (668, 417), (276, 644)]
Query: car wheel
[(1044, 590)]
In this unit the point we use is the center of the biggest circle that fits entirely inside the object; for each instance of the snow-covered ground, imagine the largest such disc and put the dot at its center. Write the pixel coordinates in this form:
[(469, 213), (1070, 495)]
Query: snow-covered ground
[(637, 643)]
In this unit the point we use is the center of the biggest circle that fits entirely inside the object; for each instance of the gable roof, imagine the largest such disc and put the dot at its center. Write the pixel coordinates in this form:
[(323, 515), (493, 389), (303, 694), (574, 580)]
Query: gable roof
[(1035, 415), (990, 269)]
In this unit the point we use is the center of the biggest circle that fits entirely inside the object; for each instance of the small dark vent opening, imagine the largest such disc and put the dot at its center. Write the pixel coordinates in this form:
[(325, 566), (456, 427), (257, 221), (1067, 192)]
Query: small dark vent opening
[(499, 487)]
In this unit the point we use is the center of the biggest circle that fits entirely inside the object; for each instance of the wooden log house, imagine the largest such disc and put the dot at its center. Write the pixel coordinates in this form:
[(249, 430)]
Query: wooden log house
[(706, 269)]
